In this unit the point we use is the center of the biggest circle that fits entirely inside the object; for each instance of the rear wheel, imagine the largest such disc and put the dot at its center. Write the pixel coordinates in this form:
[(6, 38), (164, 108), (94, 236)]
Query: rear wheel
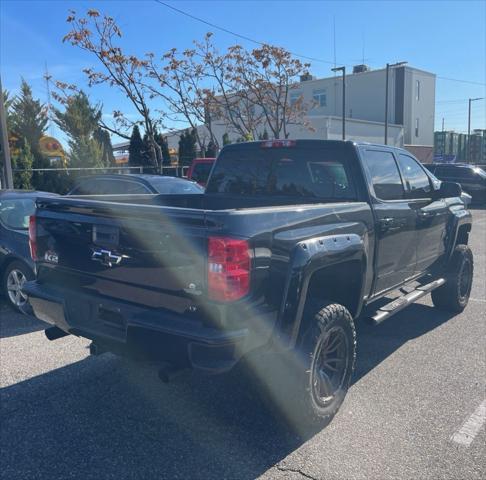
[(14, 277), (309, 384), (453, 296)]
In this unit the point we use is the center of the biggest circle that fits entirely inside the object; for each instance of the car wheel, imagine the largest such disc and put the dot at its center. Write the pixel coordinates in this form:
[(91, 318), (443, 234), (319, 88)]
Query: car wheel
[(309, 384), (14, 277), (453, 296)]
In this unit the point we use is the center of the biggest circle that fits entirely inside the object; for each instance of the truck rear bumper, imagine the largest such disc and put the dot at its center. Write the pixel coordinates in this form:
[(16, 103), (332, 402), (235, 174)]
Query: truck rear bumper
[(146, 334)]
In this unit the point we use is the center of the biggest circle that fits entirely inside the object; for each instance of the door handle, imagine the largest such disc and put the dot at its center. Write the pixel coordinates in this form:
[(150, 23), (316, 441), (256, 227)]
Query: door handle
[(425, 215), (387, 224), (387, 221)]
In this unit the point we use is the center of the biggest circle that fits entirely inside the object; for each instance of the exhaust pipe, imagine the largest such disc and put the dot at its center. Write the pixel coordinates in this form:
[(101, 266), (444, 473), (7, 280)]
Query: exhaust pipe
[(53, 333)]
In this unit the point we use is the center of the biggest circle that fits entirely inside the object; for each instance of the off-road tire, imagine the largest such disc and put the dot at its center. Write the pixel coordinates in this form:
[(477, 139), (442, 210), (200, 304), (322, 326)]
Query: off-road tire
[(453, 296), (291, 383)]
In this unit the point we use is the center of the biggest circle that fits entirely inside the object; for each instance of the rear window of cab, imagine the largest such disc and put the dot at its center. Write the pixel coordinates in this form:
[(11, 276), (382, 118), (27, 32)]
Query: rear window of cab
[(313, 173)]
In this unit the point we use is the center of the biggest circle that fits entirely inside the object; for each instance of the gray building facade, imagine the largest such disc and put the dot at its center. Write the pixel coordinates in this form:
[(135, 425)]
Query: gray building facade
[(411, 99)]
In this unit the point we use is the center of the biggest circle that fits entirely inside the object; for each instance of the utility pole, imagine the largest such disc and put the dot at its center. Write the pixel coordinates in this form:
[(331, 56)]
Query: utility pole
[(7, 179), (469, 128), (443, 140), (388, 66), (343, 70)]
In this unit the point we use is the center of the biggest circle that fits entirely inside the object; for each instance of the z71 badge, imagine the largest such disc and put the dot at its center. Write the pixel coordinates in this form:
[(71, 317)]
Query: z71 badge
[(51, 257)]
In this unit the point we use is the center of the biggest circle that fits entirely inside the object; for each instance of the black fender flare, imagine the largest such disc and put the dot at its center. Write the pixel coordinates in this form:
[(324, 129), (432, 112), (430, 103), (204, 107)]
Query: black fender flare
[(308, 257), (459, 218)]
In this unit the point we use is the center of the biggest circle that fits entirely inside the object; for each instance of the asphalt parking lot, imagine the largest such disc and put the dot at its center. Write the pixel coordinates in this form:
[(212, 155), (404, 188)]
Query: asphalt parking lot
[(413, 411)]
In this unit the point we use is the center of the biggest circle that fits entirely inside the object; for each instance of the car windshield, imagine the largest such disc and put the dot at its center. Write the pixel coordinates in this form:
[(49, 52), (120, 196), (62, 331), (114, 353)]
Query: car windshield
[(15, 212), (166, 185)]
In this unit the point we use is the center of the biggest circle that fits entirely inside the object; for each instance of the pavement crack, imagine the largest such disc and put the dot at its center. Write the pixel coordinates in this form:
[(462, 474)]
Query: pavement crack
[(295, 470)]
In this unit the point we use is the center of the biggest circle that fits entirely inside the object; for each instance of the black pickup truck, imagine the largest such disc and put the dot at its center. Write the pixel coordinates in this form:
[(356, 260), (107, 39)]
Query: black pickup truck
[(291, 242)]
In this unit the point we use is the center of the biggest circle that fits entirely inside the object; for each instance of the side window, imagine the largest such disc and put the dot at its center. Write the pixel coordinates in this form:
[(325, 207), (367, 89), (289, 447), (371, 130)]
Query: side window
[(417, 181), (385, 176), (119, 187), (320, 97), (88, 187), (134, 188), (465, 174), (15, 213)]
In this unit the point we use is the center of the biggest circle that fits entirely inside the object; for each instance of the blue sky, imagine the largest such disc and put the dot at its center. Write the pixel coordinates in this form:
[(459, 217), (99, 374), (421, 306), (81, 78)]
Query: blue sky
[(444, 37)]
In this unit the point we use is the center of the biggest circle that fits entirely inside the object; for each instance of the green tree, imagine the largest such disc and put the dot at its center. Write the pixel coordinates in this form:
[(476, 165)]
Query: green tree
[(191, 146), (80, 122), (29, 118), (85, 152), (148, 164), (226, 139), (164, 146), (211, 150), (136, 149), (104, 139), (264, 135), (182, 147), (22, 160), (187, 147)]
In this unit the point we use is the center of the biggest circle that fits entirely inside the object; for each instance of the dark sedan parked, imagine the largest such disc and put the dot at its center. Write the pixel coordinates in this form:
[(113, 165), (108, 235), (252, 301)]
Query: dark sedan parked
[(133, 184), (16, 265), (471, 178)]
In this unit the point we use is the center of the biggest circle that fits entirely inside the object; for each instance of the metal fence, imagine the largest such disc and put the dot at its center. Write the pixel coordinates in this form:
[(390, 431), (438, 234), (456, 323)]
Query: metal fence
[(173, 171)]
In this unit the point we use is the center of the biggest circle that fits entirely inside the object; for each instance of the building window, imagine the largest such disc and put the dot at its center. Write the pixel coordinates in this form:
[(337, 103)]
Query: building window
[(416, 127), (294, 97), (319, 97), (417, 90)]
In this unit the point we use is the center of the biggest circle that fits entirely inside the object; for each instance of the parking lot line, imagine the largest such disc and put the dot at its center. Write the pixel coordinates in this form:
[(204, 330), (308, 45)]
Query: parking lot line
[(466, 434)]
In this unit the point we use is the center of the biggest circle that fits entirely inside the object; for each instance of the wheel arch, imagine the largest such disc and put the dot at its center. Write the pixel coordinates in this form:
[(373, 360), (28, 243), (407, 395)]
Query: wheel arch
[(9, 259), (330, 268)]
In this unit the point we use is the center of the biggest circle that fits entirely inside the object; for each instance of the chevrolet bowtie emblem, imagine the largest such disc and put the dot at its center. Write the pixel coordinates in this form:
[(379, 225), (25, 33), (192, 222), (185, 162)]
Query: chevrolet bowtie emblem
[(106, 257)]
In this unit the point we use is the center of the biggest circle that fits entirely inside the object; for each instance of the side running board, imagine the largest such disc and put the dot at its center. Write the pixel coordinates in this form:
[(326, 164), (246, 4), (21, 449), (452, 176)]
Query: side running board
[(401, 302)]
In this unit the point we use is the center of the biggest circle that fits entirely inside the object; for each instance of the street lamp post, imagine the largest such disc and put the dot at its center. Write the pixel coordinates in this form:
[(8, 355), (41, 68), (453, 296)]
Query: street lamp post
[(388, 66), (343, 69), (469, 128)]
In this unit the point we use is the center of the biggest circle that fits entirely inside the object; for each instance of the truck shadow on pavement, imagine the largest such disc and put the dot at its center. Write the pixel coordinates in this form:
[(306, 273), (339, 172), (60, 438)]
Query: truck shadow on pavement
[(376, 343), (14, 323), (103, 417)]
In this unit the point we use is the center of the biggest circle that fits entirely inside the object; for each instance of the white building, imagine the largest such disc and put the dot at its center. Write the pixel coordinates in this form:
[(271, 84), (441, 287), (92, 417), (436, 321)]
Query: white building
[(411, 106)]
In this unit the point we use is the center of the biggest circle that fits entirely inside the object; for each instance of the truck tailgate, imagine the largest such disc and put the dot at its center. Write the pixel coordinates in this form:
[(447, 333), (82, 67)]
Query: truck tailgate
[(152, 256)]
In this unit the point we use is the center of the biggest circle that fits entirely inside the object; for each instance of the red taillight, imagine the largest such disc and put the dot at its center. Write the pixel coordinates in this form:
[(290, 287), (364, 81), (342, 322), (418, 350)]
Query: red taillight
[(277, 143), (32, 237), (228, 268)]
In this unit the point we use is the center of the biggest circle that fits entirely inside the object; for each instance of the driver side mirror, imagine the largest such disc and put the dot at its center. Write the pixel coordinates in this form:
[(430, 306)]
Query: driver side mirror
[(450, 189)]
